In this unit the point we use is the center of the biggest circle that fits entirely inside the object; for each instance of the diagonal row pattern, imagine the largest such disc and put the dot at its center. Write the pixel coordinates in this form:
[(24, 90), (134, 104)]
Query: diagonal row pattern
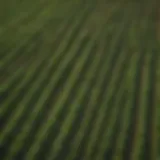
[(79, 82)]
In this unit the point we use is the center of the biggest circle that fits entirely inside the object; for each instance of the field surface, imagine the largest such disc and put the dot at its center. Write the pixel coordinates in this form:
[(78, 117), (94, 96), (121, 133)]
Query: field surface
[(79, 80)]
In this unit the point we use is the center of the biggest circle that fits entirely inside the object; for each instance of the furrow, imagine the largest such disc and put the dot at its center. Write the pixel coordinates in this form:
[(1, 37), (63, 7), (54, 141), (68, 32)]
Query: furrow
[(61, 100), (13, 120)]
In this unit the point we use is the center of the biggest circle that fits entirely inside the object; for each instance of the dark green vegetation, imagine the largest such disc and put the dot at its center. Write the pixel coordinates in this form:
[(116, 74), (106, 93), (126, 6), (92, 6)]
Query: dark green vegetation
[(79, 80)]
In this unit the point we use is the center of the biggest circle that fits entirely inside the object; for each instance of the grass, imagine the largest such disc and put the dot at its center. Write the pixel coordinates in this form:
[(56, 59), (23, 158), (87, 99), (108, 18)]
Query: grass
[(79, 80)]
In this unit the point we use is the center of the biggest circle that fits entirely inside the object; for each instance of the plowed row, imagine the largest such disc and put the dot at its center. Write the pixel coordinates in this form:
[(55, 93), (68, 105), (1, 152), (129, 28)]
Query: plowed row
[(79, 81)]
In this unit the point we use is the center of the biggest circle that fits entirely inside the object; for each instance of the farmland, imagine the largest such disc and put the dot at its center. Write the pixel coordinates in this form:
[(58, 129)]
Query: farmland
[(79, 80)]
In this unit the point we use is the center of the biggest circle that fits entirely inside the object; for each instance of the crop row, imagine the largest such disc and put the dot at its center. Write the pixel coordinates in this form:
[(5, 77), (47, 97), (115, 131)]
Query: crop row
[(83, 94)]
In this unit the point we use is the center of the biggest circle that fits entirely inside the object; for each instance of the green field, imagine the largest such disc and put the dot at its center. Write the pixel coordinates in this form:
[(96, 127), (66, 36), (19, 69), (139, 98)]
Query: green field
[(79, 80)]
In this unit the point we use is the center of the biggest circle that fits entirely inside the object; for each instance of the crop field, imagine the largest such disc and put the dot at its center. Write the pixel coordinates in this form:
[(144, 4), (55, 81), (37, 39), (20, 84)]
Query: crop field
[(79, 80)]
